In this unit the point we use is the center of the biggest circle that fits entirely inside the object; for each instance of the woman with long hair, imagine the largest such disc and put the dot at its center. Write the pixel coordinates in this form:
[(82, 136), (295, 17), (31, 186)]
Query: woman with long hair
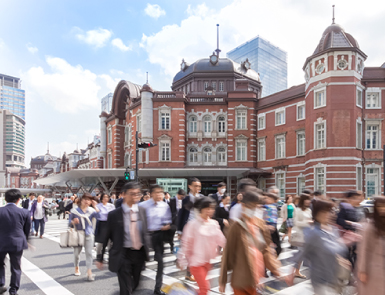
[(288, 215), (84, 218), (371, 253), (200, 241)]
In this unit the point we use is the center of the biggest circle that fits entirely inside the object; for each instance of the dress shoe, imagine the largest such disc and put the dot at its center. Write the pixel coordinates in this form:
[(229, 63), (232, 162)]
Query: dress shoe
[(3, 289), (36, 235), (41, 237), (159, 292)]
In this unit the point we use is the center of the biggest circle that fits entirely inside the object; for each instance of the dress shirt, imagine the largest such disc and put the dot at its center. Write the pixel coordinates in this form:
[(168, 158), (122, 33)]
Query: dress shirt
[(104, 210), (158, 214), (167, 201), (30, 203), (39, 211), (178, 204), (236, 211), (127, 211)]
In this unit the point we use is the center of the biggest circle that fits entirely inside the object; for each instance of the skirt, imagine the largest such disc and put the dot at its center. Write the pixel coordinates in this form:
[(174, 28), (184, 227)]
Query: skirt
[(290, 222), (101, 231)]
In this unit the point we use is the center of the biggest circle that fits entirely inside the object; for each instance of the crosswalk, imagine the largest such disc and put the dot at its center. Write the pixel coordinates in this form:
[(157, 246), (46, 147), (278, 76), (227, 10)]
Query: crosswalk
[(172, 274)]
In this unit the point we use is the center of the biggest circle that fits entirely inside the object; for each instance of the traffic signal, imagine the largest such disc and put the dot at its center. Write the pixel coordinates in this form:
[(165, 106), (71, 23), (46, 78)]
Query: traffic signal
[(127, 176), (146, 145)]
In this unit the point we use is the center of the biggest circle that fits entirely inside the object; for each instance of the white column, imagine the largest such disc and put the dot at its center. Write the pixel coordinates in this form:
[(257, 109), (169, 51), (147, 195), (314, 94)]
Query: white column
[(147, 117)]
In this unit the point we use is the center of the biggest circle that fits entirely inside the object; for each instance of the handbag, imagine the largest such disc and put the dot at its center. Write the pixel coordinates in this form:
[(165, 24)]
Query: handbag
[(72, 238), (283, 228), (344, 271), (297, 239)]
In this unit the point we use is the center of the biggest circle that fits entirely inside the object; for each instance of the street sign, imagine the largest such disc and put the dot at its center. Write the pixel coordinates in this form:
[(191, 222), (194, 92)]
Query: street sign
[(132, 175)]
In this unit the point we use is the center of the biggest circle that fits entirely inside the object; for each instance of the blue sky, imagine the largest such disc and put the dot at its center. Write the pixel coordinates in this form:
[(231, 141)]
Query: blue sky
[(69, 53)]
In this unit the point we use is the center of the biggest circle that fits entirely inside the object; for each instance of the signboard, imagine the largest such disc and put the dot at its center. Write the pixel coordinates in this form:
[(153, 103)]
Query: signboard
[(132, 175)]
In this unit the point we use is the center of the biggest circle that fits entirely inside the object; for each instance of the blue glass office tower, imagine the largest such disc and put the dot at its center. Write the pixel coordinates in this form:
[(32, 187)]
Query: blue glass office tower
[(12, 98), (268, 60)]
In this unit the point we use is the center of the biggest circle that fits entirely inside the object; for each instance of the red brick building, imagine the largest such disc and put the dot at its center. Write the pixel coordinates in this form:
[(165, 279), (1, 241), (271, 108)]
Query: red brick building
[(325, 134)]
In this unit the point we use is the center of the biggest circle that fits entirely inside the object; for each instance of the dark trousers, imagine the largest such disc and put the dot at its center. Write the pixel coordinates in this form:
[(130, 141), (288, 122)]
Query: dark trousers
[(37, 223), (157, 239), (15, 260), (276, 240), (169, 236), (129, 272)]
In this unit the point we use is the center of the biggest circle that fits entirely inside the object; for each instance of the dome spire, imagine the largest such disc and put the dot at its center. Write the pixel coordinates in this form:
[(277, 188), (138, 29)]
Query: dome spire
[(217, 50), (333, 16)]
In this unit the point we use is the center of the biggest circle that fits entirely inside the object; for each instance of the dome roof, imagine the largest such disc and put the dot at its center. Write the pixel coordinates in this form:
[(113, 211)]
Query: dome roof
[(333, 37), (224, 65), (147, 87)]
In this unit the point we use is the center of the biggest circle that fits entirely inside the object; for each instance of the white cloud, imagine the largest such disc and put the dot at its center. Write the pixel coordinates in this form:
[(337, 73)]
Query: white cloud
[(294, 26), (154, 10), (119, 44), (31, 48), (2, 44), (67, 88), (98, 37)]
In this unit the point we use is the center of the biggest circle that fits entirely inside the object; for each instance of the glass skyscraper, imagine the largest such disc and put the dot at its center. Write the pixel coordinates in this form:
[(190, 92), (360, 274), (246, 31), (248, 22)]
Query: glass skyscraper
[(268, 60), (12, 108), (107, 103)]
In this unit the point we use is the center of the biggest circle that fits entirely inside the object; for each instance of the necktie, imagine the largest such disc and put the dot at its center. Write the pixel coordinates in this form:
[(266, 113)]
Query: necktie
[(136, 244)]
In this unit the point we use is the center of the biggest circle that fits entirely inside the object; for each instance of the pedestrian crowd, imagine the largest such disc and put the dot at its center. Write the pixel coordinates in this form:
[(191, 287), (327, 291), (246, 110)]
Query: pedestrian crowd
[(341, 245)]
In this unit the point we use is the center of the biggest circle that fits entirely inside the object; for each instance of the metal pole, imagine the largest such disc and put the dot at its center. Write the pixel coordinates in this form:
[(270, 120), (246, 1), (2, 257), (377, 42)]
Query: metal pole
[(137, 157)]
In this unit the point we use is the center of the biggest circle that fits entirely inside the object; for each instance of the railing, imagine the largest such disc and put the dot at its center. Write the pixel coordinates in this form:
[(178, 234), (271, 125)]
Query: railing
[(165, 94), (206, 99)]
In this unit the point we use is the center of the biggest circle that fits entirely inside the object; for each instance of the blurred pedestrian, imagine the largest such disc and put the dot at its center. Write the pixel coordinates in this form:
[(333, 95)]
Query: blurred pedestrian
[(236, 200), (271, 218), (201, 238), (113, 199), (296, 199), (324, 250), (38, 215), (221, 192), (84, 219), (159, 221), (222, 213), (244, 185), (302, 220), (104, 207), (127, 230), (371, 253), (187, 211), (288, 215), (170, 234), (248, 250), (27, 204), (14, 231)]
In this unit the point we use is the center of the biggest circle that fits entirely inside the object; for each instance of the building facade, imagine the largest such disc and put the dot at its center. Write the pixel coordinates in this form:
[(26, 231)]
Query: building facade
[(326, 134), (107, 103), (12, 97), (268, 60), (12, 149)]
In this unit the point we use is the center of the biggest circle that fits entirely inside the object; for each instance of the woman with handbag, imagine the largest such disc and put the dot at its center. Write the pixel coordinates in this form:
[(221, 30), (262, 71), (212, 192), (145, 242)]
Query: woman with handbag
[(38, 215), (303, 219), (288, 214), (200, 241), (371, 253), (84, 218), (325, 250)]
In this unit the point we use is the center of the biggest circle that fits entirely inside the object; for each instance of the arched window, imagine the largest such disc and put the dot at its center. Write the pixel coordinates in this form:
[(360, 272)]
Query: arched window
[(207, 124), (193, 155), (193, 124), (221, 124), (221, 155), (207, 155)]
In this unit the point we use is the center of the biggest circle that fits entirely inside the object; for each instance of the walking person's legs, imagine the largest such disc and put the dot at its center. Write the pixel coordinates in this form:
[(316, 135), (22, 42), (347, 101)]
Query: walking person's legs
[(77, 251), (200, 273), (157, 242), (36, 223), (42, 227), (125, 276), (15, 261), (88, 246), (2, 270)]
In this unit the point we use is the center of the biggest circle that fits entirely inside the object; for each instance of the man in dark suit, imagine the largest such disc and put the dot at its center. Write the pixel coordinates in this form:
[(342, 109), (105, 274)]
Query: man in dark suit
[(169, 236), (221, 190), (27, 204), (127, 229), (14, 230)]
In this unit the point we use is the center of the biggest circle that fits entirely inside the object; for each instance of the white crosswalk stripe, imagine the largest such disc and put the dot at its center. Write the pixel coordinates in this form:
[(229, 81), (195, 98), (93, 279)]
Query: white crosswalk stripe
[(173, 274)]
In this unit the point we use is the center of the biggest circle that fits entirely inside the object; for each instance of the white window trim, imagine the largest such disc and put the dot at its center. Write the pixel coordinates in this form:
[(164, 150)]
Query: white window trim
[(280, 110), (322, 89), (358, 88), (240, 109), (358, 121), (217, 155), (315, 177), (161, 141), (373, 122), (211, 157), (189, 124), (225, 122), (236, 149), (373, 90), (300, 133), (301, 104), (319, 121), (109, 131), (166, 110), (260, 159), (362, 174), (208, 133), (379, 187), (264, 121), (276, 146), (276, 182), (297, 183)]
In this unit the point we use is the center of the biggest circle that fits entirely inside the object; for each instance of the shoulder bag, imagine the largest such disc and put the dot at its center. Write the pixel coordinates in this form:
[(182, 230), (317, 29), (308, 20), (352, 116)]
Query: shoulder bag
[(72, 238)]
